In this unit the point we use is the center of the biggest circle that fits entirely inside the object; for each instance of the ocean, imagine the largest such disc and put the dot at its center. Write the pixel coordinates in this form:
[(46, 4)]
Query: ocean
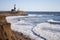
[(37, 25), (44, 16), (44, 13)]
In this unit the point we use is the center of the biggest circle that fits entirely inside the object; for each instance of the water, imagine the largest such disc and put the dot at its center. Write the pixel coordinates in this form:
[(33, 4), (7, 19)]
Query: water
[(36, 25), (44, 13), (39, 17)]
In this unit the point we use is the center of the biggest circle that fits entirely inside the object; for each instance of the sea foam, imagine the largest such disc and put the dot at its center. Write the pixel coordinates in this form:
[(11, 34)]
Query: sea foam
[(48, 31)]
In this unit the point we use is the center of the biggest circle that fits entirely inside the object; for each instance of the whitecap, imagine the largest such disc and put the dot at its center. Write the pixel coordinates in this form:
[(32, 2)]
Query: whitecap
[(53, 21), (34, 15)]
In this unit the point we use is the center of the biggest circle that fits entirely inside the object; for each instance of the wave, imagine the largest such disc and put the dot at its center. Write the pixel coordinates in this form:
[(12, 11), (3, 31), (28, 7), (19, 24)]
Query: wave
[(12, 19), (53, 21), (34, 15), (39, 15), (29, 19), (23, 22), (48, 31)]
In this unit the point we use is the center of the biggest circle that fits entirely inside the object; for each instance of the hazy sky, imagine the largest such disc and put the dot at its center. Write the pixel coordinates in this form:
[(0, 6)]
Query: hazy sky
[(31, 5)]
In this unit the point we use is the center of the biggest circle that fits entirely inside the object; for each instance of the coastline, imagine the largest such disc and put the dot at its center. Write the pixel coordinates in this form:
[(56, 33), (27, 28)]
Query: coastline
[(5, 28)]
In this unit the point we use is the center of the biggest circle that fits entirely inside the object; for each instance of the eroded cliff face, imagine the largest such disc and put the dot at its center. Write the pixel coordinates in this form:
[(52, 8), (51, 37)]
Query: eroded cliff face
[(6, 33), (5, 30)]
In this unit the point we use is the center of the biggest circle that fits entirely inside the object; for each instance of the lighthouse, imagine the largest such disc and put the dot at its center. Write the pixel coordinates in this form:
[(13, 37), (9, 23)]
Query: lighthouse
[(14, 9)]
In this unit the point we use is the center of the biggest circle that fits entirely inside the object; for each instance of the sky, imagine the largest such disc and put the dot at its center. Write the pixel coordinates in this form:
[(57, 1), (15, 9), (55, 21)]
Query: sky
[(30, 5)]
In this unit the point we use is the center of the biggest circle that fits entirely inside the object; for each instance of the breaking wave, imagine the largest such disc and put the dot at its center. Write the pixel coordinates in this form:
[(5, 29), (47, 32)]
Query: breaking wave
[(54, 21), (34, 15)]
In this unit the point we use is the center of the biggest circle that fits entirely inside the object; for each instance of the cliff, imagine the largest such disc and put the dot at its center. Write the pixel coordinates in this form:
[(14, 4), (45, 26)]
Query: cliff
[(5, 28)]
